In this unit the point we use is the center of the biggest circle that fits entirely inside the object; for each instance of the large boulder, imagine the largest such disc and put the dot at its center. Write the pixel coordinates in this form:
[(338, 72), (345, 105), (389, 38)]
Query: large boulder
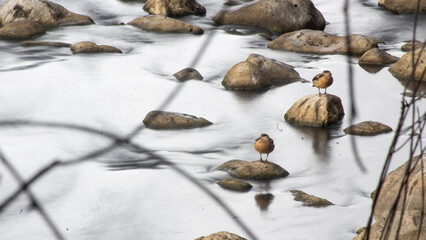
[(43, 12), (91, 47), (257, 170), (310, 200), (368, 128), (403, 68), (221, 236), (403, 6), (319, 42), (316, 110), (412, 208), (171, 120), (165, 25), (279, 16), (377, 56), (245, 76), (174, 8), (21, 30)]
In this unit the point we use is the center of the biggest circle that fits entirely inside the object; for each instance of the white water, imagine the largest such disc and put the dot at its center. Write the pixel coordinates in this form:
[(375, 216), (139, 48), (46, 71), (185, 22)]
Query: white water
[(115, 92)]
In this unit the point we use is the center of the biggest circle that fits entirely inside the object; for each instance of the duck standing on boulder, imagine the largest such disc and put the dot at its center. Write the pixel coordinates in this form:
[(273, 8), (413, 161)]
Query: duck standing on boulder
[(322, 80), (264, 145)]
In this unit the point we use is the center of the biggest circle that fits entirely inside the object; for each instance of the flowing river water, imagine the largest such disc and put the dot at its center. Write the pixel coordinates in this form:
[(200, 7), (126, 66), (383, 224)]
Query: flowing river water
[(120, 196)]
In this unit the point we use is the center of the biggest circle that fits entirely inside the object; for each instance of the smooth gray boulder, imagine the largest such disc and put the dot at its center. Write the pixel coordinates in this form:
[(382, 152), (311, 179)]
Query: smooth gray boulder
[(245, 76), (21, 30), (257, 170), (172, 120), (174, 8), (164, 24), (368, 128), (91, 47)]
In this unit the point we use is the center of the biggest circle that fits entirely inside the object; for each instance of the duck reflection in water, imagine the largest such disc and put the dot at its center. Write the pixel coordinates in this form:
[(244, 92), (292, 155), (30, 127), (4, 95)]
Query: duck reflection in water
[(263, 200)]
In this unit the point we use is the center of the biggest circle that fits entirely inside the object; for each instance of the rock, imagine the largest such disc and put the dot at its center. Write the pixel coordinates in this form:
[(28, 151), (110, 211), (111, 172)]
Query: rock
[(413, 216), (257, 170), (403, 67), (277, 16), (409, 45), (402, 6), (235, 184), (165, 25), (174, 8), (21, 30), (171, 120), (319, 42), (310, 200), (277, 72), (316, 111), (44, 43), (43, 12), (221, 236), (367, 128), (91, 47), (187, 74), (377, 56), (245, 76)]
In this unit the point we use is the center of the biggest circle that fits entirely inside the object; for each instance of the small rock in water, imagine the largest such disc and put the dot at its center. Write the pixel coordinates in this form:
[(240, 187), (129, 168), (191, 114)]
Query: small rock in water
[(44, 43), (409, 45), (310, 200), (403, 67), (222, 236), (174, 8), (21, 30), (235, 184), (91, 47), (171, 120), (257, 170), (377, 56), (402, 6), (187, 74), (165, 24), (367, 128)]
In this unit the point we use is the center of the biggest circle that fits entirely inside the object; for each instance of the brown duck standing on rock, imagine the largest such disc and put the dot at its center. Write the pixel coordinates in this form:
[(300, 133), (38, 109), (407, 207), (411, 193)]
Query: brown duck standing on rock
[(264, 145), (322, 80)]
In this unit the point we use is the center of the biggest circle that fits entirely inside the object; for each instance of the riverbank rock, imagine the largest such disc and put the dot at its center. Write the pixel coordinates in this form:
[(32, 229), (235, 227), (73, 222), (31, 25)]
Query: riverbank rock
[(171, 120), (403, 67), (187, 74), (174, 8), (402, 6), (165, 25), (319, 42), (43, 12), (310, 200), (221, 236), (235, 184), (44, 43), (257, 170), (21, 30), (412, 217), (409, 45), (316, 111), (277, 16), (367, 128), (245, 76), (91, 47), (377, 56)]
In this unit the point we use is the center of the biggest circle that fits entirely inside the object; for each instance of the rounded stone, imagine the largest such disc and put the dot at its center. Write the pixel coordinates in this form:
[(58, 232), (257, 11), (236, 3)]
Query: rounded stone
[(187, 74), (402, 6), (235, 184), (245, 76), (165, 25), (21, 30), (91, 47), (403, 68), (377, 56), (171, 120), (257, 170), (409, 45), (221, 236), (368, 128), (174, 8)]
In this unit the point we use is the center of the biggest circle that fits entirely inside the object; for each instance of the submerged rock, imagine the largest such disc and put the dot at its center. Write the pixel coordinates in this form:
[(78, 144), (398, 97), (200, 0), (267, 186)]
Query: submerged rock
[(319, 42), (245, 76), (402, 6), (409, 45), (171, 120), (277, 16), (43, 12), (187, 74), (44, 43), (316, 111), (174, 8), (368, 128), (91, 47), (257, 170), (221, 236), (403, 68), (235, 184), (377, 56), (310, 200), (165, 25), (21, 30)]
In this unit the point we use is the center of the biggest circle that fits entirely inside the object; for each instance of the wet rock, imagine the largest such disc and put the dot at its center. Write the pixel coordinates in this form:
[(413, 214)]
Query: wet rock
[(409, 45), (174, 8), (402, 6), (43, 12), (165, 25), (91, 47), (316, 111), (245, 76), (377, 56), (232, 3), (187, 74), (368, 128), (403, 67), (277, 72), (310, 200), (235, 184), (257, 170), (319, 42), (412, 207), (171, 120), (44, 43), (221, 236), (277, 16), (21, 30)]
